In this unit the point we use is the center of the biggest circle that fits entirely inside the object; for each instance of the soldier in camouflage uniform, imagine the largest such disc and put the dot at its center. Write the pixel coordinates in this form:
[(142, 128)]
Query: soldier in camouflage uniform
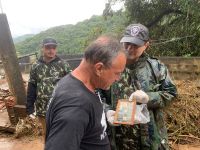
[(44, 75), (149, 75)]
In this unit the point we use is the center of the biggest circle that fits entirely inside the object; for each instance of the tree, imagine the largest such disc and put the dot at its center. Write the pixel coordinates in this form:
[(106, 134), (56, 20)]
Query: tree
[(174, 24)]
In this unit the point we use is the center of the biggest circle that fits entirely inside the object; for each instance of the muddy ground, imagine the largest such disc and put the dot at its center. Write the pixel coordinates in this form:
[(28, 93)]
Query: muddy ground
[(8, 141)]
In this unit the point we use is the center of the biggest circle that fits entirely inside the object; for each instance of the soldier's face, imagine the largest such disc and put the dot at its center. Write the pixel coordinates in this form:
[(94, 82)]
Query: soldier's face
[(49, 51), (113, 73), (134, 51)]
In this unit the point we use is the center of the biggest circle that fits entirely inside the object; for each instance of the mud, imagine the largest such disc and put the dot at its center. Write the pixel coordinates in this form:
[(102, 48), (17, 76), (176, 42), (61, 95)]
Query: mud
[(11, 143), (8, 142)]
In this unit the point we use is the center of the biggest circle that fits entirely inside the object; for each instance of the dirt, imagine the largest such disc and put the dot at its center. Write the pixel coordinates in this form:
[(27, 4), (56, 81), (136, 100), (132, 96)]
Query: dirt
[(36, 143), (26, 143)]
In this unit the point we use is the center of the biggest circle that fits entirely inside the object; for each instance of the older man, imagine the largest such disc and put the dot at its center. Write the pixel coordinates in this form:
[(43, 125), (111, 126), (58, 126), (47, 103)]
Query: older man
[(75, 118)]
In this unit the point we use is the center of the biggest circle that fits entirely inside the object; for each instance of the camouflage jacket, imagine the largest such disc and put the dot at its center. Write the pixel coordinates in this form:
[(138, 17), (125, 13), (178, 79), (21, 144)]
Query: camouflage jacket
[(43, 78), (151, 76)]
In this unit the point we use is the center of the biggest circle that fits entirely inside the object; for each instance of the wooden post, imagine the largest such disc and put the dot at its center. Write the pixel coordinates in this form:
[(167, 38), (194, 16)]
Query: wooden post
[(10, 62)]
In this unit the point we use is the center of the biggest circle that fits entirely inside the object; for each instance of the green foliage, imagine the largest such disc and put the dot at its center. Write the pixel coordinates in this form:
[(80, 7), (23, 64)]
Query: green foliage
[(174, 28), (174, 25), (22, 38), (73, 39)]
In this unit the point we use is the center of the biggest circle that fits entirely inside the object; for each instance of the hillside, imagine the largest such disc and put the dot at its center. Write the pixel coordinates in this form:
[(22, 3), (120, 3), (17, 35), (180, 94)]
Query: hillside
[(74, 38), (22, 38)]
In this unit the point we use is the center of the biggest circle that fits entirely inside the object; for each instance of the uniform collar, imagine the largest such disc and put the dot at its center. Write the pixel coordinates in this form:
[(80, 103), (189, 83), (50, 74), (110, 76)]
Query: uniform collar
[(141, 59), (42, 60)]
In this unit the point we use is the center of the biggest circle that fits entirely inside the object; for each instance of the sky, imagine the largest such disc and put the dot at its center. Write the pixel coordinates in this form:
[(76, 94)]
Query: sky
[(34, 16)]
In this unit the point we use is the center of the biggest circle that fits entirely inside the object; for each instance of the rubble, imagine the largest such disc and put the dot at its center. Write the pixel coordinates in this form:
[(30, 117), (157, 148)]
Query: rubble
[(28, 127), (182, 116), (6, 98)]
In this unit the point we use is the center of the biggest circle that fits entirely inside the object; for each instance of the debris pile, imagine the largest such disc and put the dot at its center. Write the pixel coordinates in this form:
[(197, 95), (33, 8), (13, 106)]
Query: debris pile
[(25, 126), (182, 116), (28, 127), (6, 98)]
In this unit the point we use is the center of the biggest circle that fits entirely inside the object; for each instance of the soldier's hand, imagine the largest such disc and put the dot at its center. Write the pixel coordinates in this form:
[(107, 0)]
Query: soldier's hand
[(140, 97), (110, 117), (32, 116)]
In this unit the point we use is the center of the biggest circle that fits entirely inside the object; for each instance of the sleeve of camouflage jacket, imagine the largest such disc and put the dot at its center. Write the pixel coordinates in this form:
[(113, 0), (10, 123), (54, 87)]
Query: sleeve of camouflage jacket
[(31, 91), (67, 68), (164, 91)]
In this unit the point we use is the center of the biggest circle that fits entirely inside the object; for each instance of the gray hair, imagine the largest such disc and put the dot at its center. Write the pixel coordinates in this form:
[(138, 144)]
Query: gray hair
[(104, 50)]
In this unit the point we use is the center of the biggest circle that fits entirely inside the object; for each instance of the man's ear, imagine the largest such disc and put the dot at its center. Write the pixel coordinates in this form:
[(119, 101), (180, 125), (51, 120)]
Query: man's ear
[(147, 44), (98, 68)]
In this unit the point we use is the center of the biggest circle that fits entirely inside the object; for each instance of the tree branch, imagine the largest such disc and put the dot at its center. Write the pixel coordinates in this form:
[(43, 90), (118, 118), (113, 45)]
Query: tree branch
[(164, 13)]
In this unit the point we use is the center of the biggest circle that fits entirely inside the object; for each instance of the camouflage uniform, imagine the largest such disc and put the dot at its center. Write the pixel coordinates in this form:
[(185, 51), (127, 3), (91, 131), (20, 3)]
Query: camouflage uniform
[(151, 76), (43, 77)]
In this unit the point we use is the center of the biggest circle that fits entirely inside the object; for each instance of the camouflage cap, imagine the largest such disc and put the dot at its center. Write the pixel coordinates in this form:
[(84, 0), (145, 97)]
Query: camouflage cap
[(137, 34), (49, 41)]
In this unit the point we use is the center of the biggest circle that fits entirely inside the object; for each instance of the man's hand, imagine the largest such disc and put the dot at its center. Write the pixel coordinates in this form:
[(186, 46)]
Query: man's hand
[(110, 117), (32, 116), (140, 97)]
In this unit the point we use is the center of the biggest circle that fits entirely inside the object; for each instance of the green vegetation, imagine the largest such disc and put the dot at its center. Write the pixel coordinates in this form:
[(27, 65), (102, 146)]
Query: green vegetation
[(22, 38), (73, 39), (174, 24), (174, 28)]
